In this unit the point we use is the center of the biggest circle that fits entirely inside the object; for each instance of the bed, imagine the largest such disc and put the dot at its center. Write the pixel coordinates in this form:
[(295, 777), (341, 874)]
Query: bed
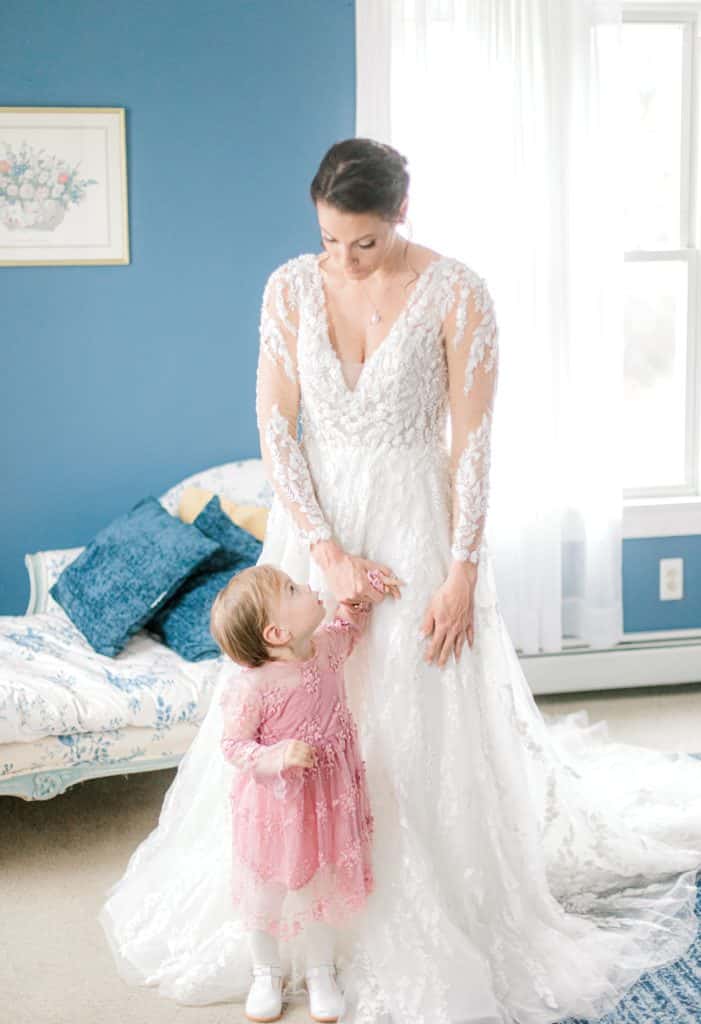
[(68, 713)]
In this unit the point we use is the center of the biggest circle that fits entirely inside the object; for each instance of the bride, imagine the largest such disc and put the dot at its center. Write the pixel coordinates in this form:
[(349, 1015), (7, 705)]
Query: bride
[(525, 870)]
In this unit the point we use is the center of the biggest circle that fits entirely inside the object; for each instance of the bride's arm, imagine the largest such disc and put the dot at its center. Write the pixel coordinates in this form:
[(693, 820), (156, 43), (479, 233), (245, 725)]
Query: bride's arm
[(277, 408), (472, 357)]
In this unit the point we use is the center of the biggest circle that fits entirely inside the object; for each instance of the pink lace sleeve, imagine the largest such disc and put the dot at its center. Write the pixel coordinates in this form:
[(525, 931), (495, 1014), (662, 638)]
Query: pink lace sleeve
[(345, 629), (242, 711), (472, 359)]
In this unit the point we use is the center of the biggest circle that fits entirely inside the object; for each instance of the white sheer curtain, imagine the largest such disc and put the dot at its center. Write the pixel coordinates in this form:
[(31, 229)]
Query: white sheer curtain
[(508, 111)]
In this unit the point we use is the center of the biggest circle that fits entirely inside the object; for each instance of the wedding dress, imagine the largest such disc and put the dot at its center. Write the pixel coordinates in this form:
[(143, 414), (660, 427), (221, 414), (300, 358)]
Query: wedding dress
[(527, 868)]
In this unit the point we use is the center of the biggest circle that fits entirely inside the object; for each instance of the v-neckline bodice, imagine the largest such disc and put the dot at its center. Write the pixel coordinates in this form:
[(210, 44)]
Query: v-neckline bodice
[(323, 316)]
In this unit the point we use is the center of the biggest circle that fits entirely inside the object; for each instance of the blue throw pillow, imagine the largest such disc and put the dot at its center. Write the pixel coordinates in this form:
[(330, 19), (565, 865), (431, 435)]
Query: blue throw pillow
[(183, 622), (131, 568), (237, 547)]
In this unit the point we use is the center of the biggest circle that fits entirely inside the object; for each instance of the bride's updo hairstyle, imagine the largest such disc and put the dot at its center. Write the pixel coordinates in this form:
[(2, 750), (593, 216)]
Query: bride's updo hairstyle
[(362, 176)]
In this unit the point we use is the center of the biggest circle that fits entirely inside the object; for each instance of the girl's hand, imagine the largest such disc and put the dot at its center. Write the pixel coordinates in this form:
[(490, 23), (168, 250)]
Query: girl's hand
[(348, 580), (449, 618), (299, 755)]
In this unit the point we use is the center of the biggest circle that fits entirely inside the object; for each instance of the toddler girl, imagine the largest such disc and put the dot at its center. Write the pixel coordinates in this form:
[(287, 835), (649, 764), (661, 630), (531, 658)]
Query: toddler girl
[(302, 824)]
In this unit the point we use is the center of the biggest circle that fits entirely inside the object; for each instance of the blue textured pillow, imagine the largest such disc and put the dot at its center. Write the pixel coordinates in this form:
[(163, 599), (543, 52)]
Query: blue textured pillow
[(183, 622), (237, 547), (131, 568)]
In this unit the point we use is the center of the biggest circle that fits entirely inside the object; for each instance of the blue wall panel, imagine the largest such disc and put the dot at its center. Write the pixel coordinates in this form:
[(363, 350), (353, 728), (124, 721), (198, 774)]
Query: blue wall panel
[(642, 609), (119, 381)]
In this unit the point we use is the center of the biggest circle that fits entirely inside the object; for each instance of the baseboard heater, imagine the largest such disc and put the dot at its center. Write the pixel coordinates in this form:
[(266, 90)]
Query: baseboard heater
[(632, 663)]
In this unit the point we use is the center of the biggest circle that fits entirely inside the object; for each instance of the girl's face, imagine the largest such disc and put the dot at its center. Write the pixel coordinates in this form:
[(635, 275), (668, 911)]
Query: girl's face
[(358, 243), (299, 609)]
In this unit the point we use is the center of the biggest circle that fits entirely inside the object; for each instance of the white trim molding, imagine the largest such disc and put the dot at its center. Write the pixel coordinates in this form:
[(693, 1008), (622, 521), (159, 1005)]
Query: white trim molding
[(633, 663), (662, 517)]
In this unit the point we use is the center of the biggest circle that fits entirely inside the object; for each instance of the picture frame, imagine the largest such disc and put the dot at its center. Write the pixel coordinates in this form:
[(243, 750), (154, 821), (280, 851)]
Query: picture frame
[(63, 187)]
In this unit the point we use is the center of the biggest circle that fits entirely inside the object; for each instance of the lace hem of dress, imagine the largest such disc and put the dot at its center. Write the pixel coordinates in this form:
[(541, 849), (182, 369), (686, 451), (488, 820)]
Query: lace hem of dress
[(334, 894)]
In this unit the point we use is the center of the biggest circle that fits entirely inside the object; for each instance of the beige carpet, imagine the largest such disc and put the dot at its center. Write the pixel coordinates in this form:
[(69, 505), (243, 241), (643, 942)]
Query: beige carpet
[(59, 857)]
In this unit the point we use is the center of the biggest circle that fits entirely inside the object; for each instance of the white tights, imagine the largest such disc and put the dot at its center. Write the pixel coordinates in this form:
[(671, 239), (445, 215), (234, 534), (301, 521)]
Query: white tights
[(264, 946)]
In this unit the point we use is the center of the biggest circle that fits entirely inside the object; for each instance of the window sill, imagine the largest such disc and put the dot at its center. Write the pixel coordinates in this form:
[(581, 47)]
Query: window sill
[(661, 517)]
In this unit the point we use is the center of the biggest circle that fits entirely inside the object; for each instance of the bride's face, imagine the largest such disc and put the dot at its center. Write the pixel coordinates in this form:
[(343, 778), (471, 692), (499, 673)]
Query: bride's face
[(357, 243)]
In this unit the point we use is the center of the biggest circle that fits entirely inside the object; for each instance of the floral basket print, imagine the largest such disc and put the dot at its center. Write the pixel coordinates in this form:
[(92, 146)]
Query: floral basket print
[(36, 189)]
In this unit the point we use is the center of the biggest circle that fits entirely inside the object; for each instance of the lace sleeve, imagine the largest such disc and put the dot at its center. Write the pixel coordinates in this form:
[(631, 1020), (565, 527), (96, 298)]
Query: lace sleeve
[(242, 709), (277, 409), (346, 628), (472, 358)]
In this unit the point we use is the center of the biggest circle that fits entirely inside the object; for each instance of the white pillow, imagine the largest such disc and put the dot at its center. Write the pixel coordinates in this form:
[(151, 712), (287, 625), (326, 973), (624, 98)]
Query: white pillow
[(244, 482)]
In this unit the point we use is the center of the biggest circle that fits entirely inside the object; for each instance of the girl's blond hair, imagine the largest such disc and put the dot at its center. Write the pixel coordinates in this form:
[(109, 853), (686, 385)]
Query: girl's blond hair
[(242, 609)]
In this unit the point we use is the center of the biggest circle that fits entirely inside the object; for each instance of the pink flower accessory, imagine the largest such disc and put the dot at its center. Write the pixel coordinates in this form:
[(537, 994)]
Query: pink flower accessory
[(375, 577)]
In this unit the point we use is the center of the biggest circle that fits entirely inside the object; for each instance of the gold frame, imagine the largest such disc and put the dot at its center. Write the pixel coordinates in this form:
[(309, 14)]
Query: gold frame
[(120, 261)]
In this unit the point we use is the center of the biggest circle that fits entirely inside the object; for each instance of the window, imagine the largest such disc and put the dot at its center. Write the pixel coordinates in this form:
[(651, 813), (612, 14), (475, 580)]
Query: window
[(662, 385)]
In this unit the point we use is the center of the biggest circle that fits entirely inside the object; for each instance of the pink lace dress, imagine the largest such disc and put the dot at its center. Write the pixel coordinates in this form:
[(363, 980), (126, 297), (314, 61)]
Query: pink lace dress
[(301, 836)]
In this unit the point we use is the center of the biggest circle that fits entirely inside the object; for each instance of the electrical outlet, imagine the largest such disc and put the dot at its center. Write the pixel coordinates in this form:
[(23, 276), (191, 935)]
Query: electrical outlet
[(671, 579)]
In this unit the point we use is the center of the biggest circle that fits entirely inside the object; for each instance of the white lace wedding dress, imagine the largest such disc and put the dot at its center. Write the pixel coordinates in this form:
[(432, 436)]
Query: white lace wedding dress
[(527, 869)]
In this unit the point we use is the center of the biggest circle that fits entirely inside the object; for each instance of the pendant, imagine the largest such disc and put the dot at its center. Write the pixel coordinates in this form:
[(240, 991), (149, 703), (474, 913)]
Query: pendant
[(375, 318)]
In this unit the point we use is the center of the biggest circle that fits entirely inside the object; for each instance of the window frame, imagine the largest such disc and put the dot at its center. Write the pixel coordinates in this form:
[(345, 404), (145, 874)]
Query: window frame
[(676, 510)]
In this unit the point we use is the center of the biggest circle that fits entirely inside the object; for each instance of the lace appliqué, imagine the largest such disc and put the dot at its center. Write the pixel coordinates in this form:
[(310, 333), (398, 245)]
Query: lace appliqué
[(400, 400), (311, 678), (473, 347), (483, 346), (277, 408), (472, 486), (241, 736), (343, 634), (272, 341), (291, 472)]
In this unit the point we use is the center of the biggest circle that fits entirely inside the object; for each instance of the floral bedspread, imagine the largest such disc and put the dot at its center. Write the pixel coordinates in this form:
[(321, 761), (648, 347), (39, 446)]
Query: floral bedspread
[(52, 683)]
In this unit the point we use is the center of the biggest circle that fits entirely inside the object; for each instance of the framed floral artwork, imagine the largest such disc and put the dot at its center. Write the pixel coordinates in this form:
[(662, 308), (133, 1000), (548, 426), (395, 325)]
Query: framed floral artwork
[(63, 186)]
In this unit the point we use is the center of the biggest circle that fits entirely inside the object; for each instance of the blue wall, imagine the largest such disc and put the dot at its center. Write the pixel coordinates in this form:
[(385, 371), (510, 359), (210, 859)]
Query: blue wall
[(119, 381)]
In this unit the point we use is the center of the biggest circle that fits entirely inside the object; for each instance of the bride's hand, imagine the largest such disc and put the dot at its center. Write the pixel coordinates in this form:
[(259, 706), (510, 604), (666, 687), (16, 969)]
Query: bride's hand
[(348, 580), (449, 618)]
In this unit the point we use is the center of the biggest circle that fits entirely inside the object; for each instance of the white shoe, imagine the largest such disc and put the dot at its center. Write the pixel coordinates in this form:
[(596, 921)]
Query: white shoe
[(326, 1002), (264, 1000)]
